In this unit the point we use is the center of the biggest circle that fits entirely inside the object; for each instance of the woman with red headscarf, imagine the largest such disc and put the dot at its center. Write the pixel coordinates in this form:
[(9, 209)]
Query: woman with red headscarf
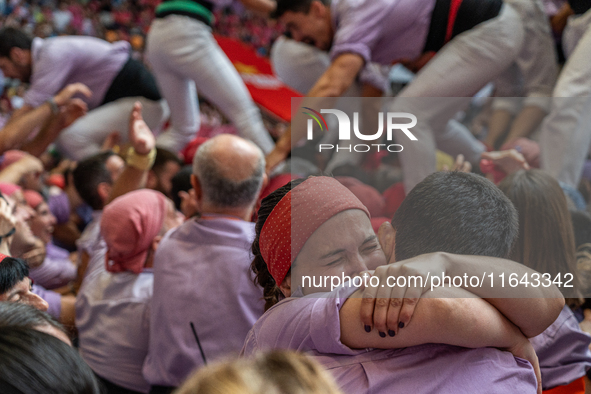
[(317, 228)]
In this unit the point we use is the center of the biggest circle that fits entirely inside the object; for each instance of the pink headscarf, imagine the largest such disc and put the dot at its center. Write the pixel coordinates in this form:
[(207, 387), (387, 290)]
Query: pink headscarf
[(10, 157), (33, 198), (129, 225), (295, 218), (8, 189)]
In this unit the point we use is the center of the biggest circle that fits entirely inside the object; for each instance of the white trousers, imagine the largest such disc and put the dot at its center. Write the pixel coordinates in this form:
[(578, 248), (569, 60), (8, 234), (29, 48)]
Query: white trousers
[(531, 79), (446, 84), (185, 57), (86, 136), (566, 132)]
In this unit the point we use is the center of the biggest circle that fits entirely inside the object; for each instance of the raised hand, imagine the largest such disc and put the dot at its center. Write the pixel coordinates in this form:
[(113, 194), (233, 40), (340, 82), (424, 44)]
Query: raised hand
[(69, 91), (140, 136)]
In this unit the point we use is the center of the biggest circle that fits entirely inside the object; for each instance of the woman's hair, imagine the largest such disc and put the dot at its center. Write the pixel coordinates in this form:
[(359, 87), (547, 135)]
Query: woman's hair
[(546, 241), (271, 292), (279, 372), (12, 271), (14, 314), (33, 362)]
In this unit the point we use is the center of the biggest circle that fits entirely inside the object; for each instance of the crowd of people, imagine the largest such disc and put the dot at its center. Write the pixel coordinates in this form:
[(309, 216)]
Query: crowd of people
[(148, 247)]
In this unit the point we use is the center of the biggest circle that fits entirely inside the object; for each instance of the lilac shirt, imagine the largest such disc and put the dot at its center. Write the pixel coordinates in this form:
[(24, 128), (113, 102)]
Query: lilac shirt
[(93, 244), (201, 275), (311, 325), (53, 299), (380, 31), (56, 271), (563, 351), (60, 61), (113, 317)]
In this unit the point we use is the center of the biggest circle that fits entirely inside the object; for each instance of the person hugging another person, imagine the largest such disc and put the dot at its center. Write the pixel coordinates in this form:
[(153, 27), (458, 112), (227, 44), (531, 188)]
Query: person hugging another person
[(301, 232)]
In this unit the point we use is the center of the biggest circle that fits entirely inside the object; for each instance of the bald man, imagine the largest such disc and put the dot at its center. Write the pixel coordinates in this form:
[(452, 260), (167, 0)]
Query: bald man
[(201, 270)]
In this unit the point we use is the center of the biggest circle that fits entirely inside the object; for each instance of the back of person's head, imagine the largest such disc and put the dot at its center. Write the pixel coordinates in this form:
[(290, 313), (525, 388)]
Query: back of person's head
[(14, 314), (181, 182), (33, 362), (13, 38), (89, 174), (546, 241), (230, 171), (279, 372), (455, 212), (271, 292), (166, 165), (12, 271), (130, 225)]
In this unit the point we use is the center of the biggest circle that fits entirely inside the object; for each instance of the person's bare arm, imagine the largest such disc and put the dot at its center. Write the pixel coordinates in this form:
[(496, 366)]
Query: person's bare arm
[(467, 322), (69, 113), (336, 79), (526, 122), (530, 308), (26, 119), (15, 171), (143, 142)]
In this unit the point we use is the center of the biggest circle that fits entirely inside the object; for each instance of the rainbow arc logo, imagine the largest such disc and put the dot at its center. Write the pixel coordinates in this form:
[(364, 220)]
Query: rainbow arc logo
[(317, 117)]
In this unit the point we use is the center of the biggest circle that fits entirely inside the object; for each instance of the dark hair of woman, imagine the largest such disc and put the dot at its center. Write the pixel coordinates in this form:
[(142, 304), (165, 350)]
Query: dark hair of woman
[(271, 292)]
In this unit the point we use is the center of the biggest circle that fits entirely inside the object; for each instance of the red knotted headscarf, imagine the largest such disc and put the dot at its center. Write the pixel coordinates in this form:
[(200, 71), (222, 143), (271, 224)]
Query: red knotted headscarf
[(295, 218)]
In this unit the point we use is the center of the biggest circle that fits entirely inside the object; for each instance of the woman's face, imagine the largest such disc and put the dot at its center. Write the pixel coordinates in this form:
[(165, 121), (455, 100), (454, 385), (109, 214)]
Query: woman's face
[(344, 245), (43, 222)]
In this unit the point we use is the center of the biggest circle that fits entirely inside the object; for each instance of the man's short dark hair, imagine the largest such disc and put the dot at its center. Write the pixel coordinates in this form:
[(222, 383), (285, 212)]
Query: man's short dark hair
[(12, 271), (89, 173), (163, 156), (284, 6), (35, 362), (181, 182), (13, 38), (455, 212), (15, 314)]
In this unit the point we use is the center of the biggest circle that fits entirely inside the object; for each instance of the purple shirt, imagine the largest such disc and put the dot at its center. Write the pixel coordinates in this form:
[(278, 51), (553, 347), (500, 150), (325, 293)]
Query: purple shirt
[(563, 351), (60, 61), (56, 271), (201, 276), (59, 205), (113, 317), (380, 31), (53, 299), (92, 242), (311, 325)]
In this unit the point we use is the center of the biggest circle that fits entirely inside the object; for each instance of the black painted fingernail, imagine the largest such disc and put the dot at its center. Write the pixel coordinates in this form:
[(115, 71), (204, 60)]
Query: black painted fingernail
[(383, 334), (367, 328), (391, 333), (401, 325)]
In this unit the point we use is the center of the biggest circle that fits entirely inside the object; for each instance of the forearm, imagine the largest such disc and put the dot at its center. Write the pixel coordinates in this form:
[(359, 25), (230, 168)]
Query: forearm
[(130, 179), (531, 308), (498, 124), (43, 139), (466, 322), (21, 125), (526, 122)]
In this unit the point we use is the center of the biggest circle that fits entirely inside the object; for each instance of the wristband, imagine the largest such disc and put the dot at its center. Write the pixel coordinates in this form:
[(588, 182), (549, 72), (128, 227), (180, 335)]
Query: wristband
[(140, 162), (53, 105)]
